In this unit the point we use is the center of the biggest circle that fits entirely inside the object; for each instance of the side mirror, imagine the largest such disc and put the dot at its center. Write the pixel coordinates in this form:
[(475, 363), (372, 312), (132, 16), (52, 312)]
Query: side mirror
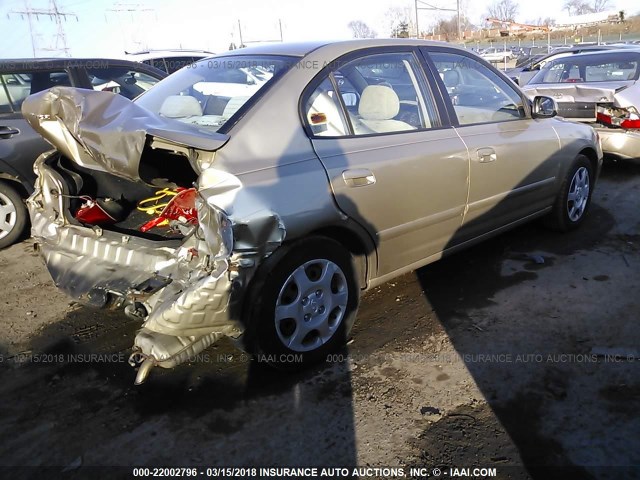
[(544, 107), (515, 80)]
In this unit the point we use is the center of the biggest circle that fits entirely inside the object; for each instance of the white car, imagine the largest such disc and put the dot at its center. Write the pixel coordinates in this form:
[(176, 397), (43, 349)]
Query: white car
[(494, 54)]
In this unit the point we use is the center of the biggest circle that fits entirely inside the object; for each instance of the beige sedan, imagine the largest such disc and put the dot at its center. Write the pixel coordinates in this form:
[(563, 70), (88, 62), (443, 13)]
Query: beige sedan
[(256, 194)]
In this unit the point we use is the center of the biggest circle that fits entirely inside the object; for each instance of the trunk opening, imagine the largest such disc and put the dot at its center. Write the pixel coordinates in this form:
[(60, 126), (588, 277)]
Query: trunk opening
[(120, 198)]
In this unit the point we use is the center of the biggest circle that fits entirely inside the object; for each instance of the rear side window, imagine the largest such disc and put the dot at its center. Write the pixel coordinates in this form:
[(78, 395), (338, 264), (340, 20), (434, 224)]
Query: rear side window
[(15, 87), (380, 93), (122, 80), (324, 113), (478, 94)]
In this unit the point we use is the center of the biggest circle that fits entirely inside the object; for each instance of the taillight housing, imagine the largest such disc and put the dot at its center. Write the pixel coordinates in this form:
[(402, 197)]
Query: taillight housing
[(627, 118)]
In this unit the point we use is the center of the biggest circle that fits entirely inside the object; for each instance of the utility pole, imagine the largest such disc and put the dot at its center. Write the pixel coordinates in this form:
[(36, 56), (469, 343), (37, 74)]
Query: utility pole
[(53, 13), (458, 9), (419, 6), (134, 10), (280, 25), (240, 34)]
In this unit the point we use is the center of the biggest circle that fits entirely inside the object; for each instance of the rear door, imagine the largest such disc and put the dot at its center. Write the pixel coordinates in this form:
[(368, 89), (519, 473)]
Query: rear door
[(394, 163), (20, 145), (513, 158)]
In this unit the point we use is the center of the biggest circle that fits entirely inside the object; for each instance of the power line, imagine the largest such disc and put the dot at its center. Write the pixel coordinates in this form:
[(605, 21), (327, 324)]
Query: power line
[(53, 13), (428, 6), (134, 34)]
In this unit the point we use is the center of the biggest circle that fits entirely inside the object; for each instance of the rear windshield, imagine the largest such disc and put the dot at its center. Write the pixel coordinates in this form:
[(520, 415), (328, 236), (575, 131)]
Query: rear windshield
[(210, 92), (608, 67)]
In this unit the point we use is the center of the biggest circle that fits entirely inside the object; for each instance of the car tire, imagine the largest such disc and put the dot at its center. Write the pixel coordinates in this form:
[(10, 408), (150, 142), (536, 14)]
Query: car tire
[(13, 215), (301, 304), (574, 198)]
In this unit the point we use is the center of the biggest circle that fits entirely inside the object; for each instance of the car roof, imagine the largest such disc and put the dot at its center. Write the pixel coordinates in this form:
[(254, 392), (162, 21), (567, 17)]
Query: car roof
[(16, 64), (611, 51), (154, 54), (301, 49)]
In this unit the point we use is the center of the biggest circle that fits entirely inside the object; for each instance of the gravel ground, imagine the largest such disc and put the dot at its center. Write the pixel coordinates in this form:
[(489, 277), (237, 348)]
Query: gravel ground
[(488, 358)]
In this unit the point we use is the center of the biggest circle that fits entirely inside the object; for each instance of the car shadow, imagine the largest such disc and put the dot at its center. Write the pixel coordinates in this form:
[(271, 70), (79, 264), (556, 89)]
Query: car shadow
[(463, 290), (211, 411)]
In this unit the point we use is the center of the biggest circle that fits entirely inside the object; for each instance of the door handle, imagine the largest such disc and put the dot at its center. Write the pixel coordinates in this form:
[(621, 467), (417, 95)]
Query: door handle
[(8, 132), (486, 155), (358, 178)]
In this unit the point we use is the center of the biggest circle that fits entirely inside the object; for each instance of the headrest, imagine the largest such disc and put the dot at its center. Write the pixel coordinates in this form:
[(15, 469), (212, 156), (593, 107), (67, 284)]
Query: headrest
[(378, 102), (179, 106), (451, 78)]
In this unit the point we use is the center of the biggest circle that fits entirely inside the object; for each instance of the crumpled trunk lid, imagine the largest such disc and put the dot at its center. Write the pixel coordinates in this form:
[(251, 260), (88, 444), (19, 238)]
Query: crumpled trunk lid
[(107, 132)]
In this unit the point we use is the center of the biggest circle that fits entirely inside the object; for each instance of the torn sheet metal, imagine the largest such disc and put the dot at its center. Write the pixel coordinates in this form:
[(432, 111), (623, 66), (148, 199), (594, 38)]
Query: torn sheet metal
[(153, 349), (105, 131), (182, 292)]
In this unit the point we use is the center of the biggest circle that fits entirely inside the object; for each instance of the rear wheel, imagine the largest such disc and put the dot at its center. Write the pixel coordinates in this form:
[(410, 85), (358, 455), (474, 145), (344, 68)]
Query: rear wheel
[(13, 215), (303, 303), (574, 197)]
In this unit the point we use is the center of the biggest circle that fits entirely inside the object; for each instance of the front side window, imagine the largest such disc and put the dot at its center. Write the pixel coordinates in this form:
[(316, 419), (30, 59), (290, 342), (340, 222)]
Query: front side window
[(380, 93), (209, 92), (478, 94), (15, 87), (122, 80)]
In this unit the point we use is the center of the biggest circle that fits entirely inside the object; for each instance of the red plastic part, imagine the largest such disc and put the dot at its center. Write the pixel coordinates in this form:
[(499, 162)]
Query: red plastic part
[(93, 214), (181, 207)]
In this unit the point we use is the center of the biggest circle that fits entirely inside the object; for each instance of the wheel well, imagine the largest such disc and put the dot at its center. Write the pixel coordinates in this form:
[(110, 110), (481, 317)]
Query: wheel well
[(354, 244), (591, 154), (15, 184)]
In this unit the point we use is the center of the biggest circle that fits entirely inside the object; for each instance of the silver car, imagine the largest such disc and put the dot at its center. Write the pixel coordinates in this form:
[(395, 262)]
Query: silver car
[(258, 193), (601, 89)]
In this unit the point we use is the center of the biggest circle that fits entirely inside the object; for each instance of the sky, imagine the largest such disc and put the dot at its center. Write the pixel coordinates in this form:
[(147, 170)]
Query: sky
[(108, 28)]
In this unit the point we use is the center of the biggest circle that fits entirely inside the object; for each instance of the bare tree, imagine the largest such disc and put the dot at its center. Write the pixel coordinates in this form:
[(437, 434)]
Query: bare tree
[(361, 29), (580, 7), (400, 19), (600, 5), (449, 27), (504, 10)]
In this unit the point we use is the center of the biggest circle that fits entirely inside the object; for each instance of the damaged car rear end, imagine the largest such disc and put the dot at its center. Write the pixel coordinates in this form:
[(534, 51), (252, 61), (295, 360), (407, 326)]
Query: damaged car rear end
[(134, 210), (599, 88)]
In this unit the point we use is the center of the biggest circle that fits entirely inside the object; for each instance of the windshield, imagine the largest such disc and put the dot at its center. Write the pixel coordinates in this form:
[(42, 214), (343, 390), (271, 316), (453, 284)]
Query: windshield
[(590, 68), (210, 92)]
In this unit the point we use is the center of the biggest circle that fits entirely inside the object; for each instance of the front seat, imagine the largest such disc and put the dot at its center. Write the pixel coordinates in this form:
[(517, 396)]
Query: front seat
[(180, 106), (378, 106)]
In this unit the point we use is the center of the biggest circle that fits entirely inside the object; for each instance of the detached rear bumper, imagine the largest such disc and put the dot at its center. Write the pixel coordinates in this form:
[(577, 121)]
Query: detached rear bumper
[(620, 143), (180, 290)]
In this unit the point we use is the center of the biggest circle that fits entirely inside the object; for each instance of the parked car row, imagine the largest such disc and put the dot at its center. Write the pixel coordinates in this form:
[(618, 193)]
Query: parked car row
[(258, 195)]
